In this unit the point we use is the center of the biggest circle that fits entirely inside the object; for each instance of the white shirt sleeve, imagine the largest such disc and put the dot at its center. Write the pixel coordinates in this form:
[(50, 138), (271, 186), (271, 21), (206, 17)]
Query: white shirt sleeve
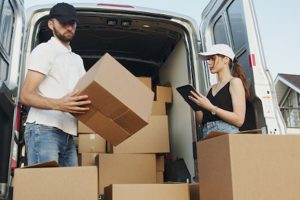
[(39, 59)]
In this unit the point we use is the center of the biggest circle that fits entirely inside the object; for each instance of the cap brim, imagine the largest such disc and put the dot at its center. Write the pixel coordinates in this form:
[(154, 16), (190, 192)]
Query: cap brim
[(65, 20), (205, 56)]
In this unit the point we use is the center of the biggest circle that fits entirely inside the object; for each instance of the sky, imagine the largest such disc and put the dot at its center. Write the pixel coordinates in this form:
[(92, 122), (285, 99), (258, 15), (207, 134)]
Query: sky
[(278, 23)]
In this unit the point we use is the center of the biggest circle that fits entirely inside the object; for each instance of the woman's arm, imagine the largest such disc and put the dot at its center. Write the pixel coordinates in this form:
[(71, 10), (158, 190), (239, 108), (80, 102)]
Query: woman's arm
[(199, 116), (237, 93), (237, 116)]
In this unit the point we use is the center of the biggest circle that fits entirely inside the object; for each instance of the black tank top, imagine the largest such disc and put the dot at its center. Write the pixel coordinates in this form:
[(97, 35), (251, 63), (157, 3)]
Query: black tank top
[(222, 100)]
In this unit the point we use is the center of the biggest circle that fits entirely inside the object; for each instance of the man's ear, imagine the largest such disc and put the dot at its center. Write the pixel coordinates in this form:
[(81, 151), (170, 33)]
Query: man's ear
[(50, 24)]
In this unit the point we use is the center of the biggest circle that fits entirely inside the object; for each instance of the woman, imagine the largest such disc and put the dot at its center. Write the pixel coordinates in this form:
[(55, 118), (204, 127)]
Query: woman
[(224, 106)]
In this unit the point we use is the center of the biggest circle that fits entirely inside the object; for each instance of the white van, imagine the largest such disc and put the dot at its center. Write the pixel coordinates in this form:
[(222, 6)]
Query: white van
[(147, 42)]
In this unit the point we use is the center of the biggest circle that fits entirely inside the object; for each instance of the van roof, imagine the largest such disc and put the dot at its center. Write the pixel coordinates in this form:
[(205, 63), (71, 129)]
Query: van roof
[(117, 7)]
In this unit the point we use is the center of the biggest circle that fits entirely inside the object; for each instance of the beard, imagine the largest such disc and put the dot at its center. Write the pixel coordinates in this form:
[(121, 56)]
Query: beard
[(63, 37)]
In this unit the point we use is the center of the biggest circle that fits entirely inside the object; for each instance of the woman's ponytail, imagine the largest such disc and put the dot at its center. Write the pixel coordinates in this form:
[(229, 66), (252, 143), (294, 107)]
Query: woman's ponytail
[(237, 71)]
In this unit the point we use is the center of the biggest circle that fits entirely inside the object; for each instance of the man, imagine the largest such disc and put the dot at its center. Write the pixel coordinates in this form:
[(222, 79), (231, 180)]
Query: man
[(53, 71)]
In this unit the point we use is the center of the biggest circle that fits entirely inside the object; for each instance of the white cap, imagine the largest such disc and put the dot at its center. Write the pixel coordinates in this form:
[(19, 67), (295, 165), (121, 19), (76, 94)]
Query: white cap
[(222, 49)]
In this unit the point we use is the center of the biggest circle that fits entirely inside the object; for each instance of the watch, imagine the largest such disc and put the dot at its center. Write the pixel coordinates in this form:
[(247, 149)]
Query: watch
[(214, 110)]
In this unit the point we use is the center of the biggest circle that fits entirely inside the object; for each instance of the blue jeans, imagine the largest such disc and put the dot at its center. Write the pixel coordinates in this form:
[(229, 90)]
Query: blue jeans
[(219, 126), (45, 143)]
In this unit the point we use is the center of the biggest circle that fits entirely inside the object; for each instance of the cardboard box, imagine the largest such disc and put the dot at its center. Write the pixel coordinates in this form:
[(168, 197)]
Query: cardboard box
[(160, 163), (159, 177), (164, 94), (91, 143), (126, 168), (194, 191), (81, 128), (249, 166), (158, 108), (59, 183), (121, 104), (147, 81), (147, 192), (88, 159), (153, 138)]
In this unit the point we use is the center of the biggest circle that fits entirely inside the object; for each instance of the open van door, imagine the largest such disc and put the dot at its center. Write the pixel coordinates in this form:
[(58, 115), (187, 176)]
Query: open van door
[(234, 23), (11, 45)]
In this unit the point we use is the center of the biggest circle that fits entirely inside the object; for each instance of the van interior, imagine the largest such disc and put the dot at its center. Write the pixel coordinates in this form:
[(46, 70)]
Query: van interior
[(146, 46), (141, 45)]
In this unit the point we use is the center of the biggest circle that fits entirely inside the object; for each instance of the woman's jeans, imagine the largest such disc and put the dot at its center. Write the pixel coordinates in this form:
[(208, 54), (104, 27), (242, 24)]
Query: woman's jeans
[(44, 143), (219, 126)]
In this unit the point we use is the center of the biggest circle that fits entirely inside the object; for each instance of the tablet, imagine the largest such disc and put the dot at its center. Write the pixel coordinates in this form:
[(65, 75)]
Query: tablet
[(185, 92)]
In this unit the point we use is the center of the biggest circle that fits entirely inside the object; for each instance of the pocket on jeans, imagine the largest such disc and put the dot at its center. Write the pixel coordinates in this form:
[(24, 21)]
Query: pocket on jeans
[(42, 127)]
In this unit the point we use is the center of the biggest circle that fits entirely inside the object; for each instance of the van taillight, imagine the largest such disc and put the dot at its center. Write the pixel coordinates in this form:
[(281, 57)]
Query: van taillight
[(252, 61), (114, 5)]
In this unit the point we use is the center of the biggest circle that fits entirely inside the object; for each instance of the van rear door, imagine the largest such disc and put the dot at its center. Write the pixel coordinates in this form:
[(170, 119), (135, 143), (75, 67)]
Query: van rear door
[(234, 23), (11, 29)]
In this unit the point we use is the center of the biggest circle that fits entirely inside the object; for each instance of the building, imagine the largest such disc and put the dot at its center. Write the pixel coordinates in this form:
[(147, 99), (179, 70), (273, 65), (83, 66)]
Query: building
[(288, 95)]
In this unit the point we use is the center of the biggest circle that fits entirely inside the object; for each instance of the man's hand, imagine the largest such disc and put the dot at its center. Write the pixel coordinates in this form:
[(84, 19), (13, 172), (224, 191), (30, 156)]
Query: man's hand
[(73, 103)]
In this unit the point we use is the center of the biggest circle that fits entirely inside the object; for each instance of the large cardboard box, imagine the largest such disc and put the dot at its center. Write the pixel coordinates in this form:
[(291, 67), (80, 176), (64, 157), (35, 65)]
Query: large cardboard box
[(59, 183), (121, 104), (249, 166), (147, 192), (91, 143), (153, 138), (126, 168)]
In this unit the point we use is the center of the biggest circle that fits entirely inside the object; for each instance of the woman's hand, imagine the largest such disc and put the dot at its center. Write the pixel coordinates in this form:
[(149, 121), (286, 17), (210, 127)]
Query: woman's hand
[(201, 101)]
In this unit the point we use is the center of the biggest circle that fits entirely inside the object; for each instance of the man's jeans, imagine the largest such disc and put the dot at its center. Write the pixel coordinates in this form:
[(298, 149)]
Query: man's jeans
[(44, 143)]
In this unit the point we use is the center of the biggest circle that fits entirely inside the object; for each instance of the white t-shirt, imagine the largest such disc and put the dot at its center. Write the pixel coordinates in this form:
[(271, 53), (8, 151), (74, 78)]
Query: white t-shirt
[(63, 69)]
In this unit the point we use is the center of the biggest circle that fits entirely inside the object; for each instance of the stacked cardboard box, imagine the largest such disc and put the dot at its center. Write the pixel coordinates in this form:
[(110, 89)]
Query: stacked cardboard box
[(137, 159), (249, 166), (48, 182), (147, 192), (160, 168), (125, 169), (90, 145), (131, 158), (153, 138)]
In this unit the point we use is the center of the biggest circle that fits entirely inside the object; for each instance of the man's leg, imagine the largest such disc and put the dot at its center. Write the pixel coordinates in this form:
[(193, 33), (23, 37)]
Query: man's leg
[(42, 143), (68, 156)]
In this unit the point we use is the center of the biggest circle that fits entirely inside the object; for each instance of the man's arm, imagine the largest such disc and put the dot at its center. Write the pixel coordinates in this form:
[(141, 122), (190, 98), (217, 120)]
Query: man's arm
[(69, 103)]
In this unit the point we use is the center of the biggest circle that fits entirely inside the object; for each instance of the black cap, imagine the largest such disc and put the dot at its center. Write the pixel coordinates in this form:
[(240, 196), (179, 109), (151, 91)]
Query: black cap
[(64, 13)]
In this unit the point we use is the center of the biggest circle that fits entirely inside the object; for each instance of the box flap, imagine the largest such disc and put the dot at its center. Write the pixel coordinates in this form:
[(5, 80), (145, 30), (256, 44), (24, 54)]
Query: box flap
[(214, 134), (51, 163)]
